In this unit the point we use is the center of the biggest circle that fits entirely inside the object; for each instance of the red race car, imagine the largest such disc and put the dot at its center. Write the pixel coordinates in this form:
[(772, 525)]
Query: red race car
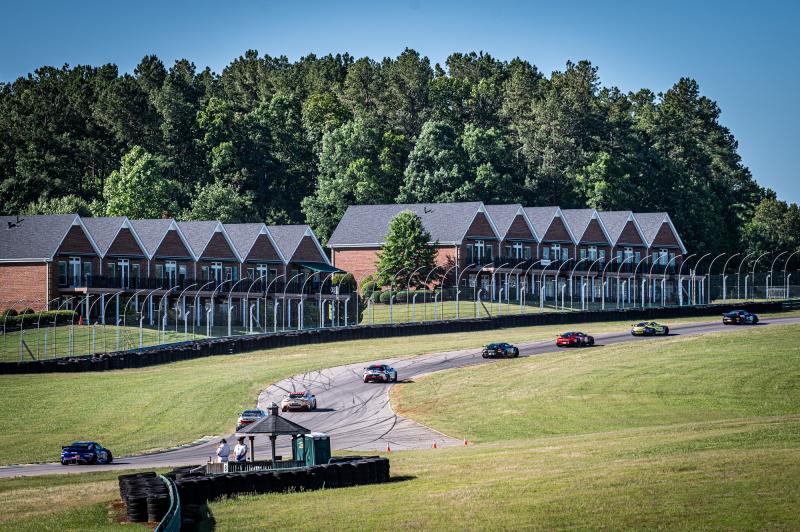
[(574, 339)]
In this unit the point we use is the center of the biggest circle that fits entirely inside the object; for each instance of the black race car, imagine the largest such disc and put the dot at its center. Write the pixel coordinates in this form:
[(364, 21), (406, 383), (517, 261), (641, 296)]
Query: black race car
[(500, 350), (739, 317)]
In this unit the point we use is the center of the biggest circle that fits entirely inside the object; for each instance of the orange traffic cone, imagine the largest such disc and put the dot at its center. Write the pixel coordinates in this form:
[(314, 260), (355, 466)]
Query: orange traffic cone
[(465, 441), (388, 449), (80, 320), (434, 444)]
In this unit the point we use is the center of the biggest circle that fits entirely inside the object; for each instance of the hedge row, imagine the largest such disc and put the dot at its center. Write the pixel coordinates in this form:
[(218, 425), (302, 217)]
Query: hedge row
[(401, 296), (12, 320), (243, 344)]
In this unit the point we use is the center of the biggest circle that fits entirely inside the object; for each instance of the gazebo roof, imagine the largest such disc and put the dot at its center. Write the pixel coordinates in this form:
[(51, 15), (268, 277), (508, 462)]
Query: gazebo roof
[(273, 425)]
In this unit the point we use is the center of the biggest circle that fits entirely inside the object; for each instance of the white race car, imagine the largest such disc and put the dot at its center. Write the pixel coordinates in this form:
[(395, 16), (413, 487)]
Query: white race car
[(299, 401), (380, 373)]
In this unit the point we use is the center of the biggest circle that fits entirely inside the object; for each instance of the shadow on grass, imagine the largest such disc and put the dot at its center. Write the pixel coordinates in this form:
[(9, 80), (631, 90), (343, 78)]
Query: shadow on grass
[(400, 478)]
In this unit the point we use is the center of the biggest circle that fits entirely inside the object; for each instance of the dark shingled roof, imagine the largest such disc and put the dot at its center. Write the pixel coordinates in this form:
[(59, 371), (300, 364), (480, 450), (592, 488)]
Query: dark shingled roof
[(273, 424), (578, 220), (614, 221), (650, 222), (198, 234), (541, 218), (503, 216), (151, 232), (243, 236), (287, 237), (368, 224), (34, 237), (103, 230)]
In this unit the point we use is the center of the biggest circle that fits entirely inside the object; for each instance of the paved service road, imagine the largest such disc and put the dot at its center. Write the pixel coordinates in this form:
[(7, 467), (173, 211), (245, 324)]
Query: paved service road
[(357, 415)]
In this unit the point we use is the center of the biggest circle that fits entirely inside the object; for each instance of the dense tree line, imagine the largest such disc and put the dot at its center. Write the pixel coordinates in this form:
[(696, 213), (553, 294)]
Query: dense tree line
[(280, 141)]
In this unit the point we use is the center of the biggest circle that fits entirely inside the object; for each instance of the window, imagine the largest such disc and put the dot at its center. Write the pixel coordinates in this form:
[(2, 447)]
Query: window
[(159, 273), (182, 274), (170, 268), (508, 251), (470, 252), (251, 274), (111, 270), (62, 273), (87, 273), (601, 255), (629, 254), (204, 272), (74, 271), (124, 272), (528, 253), (216, 272), (556, 249), (228, 273), (517, 250), (135, 274), (592, 253), (565, 254), (664, 254), (637, 257), (619, 255), (478, 250), (545, 253), (473, 278), (261, 271), (583, 253), (489, 251)]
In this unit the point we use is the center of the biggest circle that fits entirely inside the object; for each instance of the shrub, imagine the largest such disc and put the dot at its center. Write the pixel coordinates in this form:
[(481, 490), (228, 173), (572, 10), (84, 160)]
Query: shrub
[(9, 312), (26, 310), (375, 296), (386, 295)]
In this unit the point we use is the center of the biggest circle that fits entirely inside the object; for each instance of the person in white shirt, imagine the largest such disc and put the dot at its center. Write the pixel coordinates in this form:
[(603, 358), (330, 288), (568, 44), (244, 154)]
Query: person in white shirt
[(240, 451), (223, 451)]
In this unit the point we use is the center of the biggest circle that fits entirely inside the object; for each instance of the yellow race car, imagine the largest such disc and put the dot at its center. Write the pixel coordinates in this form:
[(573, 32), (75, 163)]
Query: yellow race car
[(649, 328)]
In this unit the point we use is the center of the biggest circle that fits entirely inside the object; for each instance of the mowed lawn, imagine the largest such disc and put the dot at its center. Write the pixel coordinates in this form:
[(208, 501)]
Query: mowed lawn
[(135, 410), (680, 433), (672, 433)]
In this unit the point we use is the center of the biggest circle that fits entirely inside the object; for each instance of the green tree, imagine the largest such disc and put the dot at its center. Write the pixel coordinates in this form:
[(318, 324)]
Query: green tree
[(436, 166), (774, 227), (69, 204), (139, 189), (222, 201), (407, 247)]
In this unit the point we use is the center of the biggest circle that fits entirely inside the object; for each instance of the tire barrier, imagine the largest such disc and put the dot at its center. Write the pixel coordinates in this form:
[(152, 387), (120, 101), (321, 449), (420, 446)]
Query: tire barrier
[(177, 352), (146, 495)]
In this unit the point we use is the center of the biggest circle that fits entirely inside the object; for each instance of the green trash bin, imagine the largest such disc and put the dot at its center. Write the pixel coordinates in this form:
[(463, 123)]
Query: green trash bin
[(313, 449)]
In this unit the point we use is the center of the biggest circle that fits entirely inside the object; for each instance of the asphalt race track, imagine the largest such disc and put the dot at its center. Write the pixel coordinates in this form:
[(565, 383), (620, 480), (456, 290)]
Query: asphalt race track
[(356, 415)]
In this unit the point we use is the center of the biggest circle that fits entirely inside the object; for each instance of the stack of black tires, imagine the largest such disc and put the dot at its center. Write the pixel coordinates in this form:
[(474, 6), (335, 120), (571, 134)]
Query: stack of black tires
[(146, 497)]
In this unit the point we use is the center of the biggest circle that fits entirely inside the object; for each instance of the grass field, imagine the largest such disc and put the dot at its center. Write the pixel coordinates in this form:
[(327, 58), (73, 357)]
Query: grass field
[(151, 408), (687, 433), (406, 312)]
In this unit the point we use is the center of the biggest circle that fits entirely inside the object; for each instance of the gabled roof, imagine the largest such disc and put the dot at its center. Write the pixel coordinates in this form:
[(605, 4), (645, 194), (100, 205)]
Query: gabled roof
[(651, 222), (104, 231), (542, 218), (199, 233), (615, 222), (151, 233), (287, 239), (578, 221), (367, 225), (503, 217), (275, 425), (36, 237), (244, 237)]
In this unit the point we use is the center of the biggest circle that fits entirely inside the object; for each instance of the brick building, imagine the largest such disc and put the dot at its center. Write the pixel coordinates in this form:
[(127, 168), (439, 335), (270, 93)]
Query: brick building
[(511, 251), (198, 270)]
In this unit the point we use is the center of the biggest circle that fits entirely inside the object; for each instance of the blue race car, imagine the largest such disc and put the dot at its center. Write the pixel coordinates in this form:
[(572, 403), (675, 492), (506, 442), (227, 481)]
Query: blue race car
[(85, 452)]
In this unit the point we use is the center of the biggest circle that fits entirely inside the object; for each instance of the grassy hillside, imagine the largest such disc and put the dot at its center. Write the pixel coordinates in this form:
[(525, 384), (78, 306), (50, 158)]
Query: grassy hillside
[(156, 407), (688, 433)]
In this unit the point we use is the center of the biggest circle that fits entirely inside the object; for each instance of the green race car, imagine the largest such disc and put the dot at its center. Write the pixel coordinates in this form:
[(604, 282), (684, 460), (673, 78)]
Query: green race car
[(649, 328)]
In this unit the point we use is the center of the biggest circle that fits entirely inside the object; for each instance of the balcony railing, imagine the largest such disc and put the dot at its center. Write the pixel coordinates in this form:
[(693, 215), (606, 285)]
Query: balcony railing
[(179, 284)]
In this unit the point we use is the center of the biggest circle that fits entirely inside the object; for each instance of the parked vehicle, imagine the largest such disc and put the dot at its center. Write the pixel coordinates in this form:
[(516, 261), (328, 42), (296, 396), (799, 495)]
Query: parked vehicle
[(649, 328), (249, 416), (574, 339), (380, 373), (85, 452), (299, 401), (739, 317), (500, 350)]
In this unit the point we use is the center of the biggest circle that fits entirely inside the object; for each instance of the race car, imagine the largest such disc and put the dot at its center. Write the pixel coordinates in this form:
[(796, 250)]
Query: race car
[(299, 401), (249, 416), (500, 350), (739, 317), (649, 328), (85, 452), (380, 373), (574, 339)]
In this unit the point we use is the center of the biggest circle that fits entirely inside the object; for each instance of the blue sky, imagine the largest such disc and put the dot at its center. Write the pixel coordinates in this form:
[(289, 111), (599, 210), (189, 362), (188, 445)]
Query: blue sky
[(745, 55)]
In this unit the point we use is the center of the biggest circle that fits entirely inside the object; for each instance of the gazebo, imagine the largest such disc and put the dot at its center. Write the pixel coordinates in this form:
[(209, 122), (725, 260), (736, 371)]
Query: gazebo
[(272, 425)]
